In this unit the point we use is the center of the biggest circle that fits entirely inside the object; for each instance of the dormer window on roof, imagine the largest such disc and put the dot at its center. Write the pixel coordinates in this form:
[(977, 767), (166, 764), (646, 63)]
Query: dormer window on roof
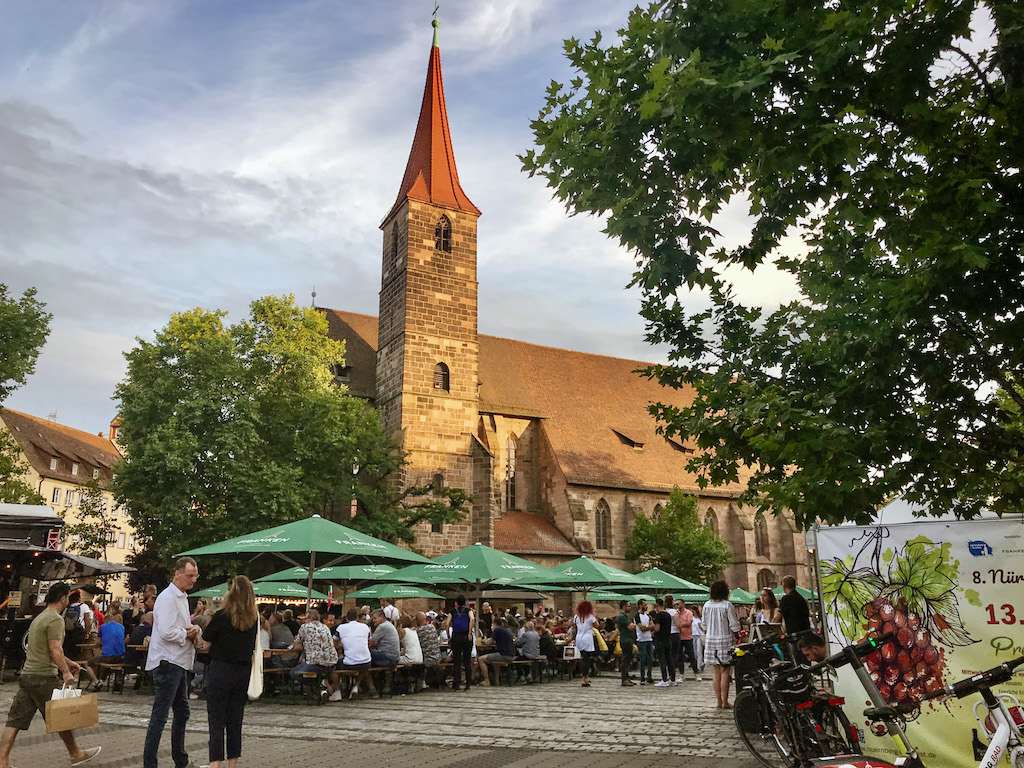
[(74, 468), (633, 442), (95, 474), (53, 463)]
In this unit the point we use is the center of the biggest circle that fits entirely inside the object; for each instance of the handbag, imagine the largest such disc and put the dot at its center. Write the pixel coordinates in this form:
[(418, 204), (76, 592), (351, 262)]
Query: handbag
[(68, 709), (256, 672)]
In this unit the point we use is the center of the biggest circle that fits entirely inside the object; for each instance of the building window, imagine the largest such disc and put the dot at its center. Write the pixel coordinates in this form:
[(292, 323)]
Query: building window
[(74, 468), (711, 520), (443, 235), (437, 483), (53, 463), (120, 541), (69, 498), (131, 541), (95, 474), (656, 514), (394, 246), (442, 379), (111, 537), (765, 578), (78, 499), (55, 499), (603, 525), (760, 536), (510, 474)]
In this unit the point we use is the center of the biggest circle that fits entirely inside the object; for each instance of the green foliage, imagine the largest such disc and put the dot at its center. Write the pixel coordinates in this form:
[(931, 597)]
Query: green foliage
[(24, 326), (894, 151), (678, 542), (94, 523), (13, 468), (228, 430)]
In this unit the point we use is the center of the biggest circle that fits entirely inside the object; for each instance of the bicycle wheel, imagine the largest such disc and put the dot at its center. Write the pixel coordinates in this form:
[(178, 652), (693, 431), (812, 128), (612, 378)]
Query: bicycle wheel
[(762, 734), (835, 737)]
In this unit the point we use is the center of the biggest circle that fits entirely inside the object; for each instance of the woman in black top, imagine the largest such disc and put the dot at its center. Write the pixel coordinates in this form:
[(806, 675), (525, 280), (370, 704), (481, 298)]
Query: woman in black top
[(232, 636)]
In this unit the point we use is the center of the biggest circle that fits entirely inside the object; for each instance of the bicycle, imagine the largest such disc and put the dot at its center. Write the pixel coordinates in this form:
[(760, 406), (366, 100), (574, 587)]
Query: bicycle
[(1002, 722), (783, 721)]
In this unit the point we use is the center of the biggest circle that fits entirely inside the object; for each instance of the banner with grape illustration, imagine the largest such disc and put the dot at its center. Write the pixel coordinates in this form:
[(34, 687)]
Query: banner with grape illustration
[(953, 594)]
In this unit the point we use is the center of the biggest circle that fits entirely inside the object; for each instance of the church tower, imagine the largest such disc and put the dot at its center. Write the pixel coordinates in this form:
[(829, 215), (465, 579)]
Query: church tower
[(427, 349)]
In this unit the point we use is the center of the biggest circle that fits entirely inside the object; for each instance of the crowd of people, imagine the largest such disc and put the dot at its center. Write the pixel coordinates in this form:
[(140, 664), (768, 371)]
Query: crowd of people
[(209, 650)]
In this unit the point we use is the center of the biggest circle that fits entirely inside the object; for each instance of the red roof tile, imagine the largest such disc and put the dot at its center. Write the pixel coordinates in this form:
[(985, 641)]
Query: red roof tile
[(530, 533), (43, 440)]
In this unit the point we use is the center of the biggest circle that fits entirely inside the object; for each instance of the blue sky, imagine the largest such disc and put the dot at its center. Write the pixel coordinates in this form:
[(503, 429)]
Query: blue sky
[(159, 156)]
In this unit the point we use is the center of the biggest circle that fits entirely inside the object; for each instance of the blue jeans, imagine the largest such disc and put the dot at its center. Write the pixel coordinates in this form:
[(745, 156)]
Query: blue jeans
[(645, 651), (170, 693), (381, 659)]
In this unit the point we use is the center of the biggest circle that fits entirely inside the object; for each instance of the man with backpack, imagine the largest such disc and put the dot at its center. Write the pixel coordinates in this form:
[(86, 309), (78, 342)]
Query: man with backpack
[(75, 631), (461, 621)]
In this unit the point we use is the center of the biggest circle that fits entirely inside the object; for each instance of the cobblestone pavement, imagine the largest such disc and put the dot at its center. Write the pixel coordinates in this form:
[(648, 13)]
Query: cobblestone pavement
[(641, 727)]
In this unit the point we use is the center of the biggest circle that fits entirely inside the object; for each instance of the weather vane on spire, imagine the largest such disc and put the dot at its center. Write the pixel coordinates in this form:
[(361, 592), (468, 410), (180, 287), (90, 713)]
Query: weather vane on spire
[(435, 23)]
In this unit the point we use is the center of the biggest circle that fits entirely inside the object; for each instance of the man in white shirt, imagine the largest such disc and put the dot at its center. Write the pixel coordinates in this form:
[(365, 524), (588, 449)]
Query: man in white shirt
[(674, 644), (391, 612), (172, 653), (354, 638)]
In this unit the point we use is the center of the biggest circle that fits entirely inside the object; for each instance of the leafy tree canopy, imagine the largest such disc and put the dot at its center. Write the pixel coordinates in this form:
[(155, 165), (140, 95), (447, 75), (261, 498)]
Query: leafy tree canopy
[(24, 326), (889, 141), (88, 529), (231, 429), (679, 542), (13, 468)]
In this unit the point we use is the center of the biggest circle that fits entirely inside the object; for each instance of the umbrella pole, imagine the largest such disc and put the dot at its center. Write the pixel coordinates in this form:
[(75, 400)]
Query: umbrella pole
[(309, 579), (476, 615)]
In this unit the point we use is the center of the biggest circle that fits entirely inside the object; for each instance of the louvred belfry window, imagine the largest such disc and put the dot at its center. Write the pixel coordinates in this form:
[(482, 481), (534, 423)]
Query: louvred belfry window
[(441, 378), (443, 235)]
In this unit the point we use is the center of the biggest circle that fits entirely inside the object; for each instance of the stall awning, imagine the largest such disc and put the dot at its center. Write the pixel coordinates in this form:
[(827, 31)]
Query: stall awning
[(93, 567)]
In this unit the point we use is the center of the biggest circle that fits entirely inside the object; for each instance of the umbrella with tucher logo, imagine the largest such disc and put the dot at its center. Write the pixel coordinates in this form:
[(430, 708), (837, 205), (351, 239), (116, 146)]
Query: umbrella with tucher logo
[(310, 538)]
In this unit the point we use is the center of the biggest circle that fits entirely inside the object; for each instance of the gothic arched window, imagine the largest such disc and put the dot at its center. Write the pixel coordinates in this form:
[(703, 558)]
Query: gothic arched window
[(394, 246), (765, 578), (443, 235), (510, 473), (760, 536), (656, 514), (603, 525), (711, 520), (441, 377)]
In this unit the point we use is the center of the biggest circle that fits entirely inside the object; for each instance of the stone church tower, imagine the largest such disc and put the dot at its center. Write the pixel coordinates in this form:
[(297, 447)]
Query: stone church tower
[(427, 354)]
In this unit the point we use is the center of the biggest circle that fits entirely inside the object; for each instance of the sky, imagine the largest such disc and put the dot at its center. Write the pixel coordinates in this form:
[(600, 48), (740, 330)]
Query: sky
[(161, 156)]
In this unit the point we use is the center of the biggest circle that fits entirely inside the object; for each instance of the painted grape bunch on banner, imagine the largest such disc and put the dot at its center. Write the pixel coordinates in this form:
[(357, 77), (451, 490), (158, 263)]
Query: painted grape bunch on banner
[(910, 591)]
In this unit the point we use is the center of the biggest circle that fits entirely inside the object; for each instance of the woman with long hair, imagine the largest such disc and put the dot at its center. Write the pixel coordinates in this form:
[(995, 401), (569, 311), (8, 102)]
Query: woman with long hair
[(720, 629), (582, 633), (232, 635), (770, 613)]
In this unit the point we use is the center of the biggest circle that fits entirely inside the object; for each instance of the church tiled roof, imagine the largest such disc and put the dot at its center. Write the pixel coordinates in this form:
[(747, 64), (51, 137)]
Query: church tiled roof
[(431, 175), (42, 440), (593, 407), (530, 533)]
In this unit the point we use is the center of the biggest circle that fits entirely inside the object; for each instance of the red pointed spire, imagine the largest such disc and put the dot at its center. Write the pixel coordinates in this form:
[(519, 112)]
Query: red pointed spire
[(430, 174)]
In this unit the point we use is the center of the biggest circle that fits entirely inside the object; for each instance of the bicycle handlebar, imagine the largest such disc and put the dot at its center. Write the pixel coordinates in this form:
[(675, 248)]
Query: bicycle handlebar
[(987, 679)]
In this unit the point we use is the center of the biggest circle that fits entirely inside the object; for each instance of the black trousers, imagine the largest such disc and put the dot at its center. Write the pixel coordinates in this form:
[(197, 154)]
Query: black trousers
[(663, 650), (462, 650), (627, 658), (686, 652), (227, 686), (588, 662)]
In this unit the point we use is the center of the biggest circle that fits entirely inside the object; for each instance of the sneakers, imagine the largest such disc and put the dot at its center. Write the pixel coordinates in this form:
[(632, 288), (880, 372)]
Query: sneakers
[(628, 682), (672, 683), (662, 684), (642, 681), (89, 755), (336, 696), (698, 679)]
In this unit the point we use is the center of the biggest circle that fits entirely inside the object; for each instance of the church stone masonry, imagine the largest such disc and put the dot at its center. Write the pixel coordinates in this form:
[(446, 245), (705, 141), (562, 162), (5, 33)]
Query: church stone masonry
[(556, 446)]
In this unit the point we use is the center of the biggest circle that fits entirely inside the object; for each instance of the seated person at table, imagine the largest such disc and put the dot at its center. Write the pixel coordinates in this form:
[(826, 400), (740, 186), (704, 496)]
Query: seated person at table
[(111, 649), (318, 652), (354, 638), (505, 648), (409, 642), (813, 647), (548, 649), (281, 637), (385, 646), (528, 646)]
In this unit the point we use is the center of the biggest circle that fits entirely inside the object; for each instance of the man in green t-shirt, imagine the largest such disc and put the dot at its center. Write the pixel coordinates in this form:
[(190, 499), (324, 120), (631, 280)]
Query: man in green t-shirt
[(39, 677), (625, 626)]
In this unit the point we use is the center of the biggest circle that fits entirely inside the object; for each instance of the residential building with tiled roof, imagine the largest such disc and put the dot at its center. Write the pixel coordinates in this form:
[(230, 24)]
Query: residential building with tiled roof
[(62, 461), (556, 447)]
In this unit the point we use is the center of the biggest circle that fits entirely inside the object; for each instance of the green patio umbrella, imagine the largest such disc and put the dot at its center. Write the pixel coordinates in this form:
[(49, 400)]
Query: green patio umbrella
[(808, 594), (305, 539), (615, 597), (742, 597), (335, 573), (266, 589), (675, 585), (586, 575), (391, 592)]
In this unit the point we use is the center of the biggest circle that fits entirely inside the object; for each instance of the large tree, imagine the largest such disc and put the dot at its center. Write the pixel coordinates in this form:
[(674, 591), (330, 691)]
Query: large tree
[(678, 542), (24, 326), (888, 137), (231, 429)]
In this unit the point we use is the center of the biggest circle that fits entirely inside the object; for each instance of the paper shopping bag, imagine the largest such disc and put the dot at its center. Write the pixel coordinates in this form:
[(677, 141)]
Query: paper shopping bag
[(70, 714)]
